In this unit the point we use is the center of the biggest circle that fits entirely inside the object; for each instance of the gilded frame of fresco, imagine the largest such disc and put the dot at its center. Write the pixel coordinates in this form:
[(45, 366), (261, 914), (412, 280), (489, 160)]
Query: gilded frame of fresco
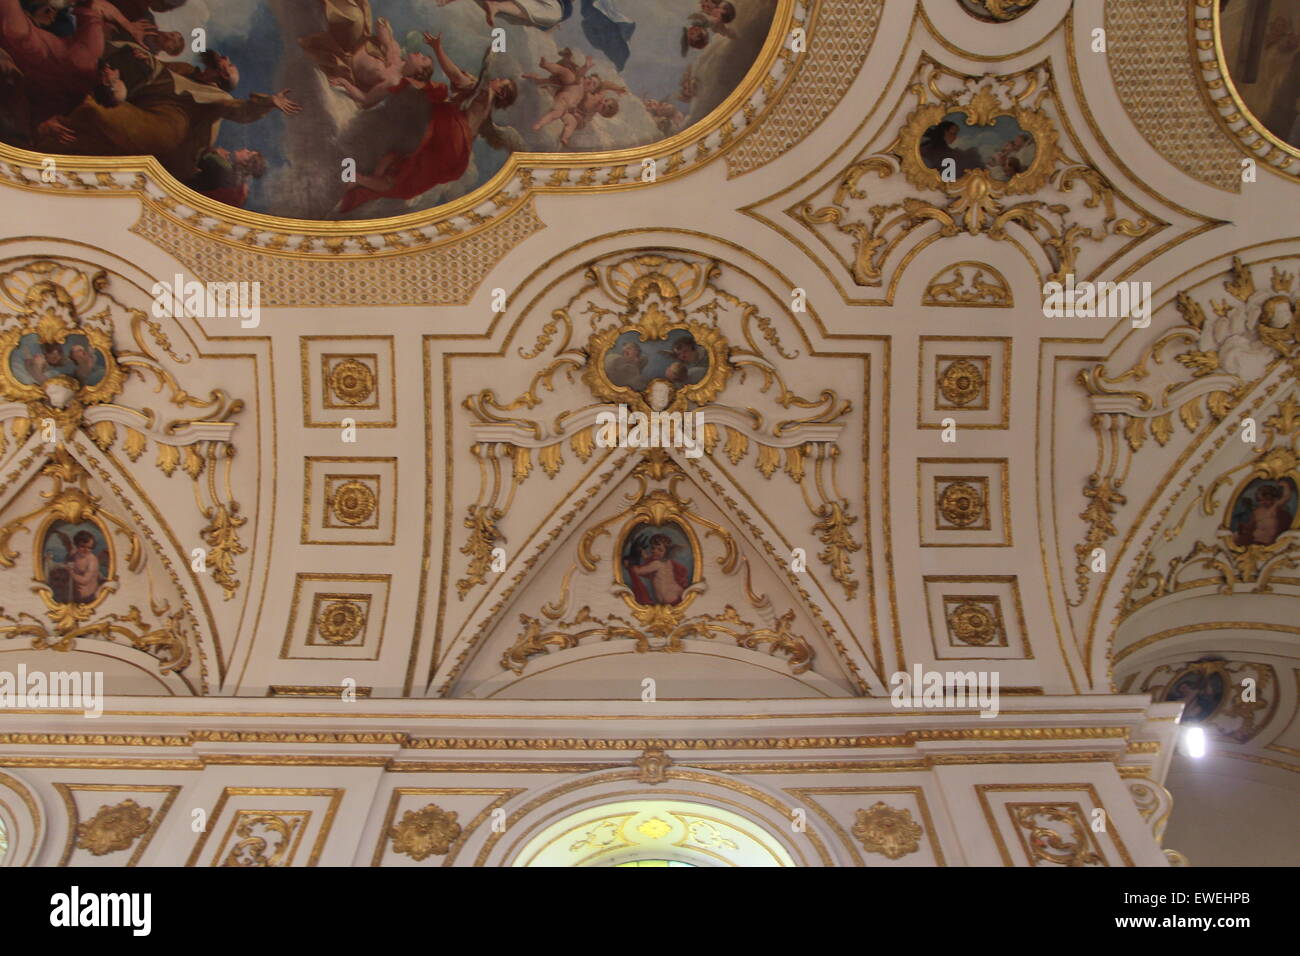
[(1250, 134), (655, 325), (1276, 465), (976, 186), (657, 512), (64, 509), (522, 176), (42, 320)]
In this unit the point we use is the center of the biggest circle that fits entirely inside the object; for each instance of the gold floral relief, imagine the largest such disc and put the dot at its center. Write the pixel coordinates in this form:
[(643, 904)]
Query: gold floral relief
[(975, 620), (962, 503), (350, 381), (352, 500), (341, 620), (887, 830), (962, 381), (423, 833), (113, 828)]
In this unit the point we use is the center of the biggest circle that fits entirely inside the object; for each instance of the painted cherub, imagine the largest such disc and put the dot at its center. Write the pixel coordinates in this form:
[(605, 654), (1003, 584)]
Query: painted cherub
[(361, 57), (1008, 157), (577, 96), (713, 17), (1269, 517), (84, 362), (626, 368), (39, 363), (718, 13), (667, 117), (667, 578), (80, 570), (685, 352)]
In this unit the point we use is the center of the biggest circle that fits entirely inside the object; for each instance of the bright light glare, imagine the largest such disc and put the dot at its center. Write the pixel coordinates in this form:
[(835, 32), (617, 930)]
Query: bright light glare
[(1194, 741)]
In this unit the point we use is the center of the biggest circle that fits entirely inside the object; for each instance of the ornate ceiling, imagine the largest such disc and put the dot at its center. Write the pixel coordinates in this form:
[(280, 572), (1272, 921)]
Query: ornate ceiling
[(394, 482)]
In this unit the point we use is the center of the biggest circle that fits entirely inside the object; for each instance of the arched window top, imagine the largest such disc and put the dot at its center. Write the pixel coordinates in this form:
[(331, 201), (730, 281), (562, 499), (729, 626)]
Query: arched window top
[(654, 832)]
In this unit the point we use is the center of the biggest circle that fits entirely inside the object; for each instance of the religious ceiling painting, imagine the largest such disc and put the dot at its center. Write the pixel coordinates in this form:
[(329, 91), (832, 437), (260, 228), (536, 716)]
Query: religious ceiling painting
[(348, 109)]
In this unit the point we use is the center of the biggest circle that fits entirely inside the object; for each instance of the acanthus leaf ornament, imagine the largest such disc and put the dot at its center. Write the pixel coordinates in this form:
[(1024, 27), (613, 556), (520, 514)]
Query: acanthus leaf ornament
[(1057, 834), (259, 832)]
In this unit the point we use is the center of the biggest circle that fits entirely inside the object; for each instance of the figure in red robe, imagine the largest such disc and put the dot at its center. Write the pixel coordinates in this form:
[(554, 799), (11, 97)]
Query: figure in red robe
[(459, 111), (57, 71)]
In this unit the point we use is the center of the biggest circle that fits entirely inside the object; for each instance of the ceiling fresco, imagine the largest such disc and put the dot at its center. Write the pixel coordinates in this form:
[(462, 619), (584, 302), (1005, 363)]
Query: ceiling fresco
[(344, 109)]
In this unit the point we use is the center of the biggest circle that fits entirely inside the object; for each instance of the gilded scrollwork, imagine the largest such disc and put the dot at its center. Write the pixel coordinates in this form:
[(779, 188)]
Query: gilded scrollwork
[(1033, 183), (62, 372), (77, 568), (666, 337), (1055, 834), (1220, 347), (664, 629), (260, 832), (1153, 802), (969, 285), (1258, 532)]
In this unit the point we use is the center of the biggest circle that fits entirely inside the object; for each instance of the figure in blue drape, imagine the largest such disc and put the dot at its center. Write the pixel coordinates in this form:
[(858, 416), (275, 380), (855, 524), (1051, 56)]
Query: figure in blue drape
[(604, 25), (608, 30)]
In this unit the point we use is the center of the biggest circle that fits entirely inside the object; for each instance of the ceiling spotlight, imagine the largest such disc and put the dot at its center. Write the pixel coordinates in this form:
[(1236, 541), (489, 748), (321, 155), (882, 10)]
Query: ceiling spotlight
[(1194, 741)]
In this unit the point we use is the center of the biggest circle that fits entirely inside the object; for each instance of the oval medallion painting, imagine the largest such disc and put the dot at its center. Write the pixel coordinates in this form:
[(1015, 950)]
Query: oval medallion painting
[(1260, 45), (1264, 511), (75, 561), (658, 563), (363, 109)]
